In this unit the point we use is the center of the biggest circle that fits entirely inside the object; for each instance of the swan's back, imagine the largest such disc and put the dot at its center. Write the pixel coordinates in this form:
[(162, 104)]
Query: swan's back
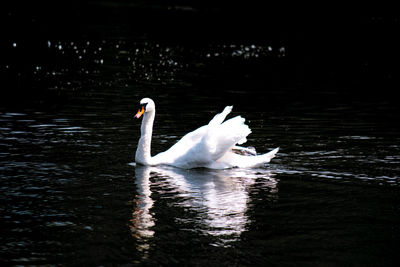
[(177, 152)]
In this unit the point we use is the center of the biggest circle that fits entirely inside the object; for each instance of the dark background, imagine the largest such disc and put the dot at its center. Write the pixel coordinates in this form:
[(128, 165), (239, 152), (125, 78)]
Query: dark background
[(332, 47), (325, 94)]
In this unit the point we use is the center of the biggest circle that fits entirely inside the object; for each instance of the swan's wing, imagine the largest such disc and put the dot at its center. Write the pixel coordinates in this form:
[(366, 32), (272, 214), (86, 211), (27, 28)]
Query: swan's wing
[(219, 139), (220, 117), (190, 148), (206, 145)]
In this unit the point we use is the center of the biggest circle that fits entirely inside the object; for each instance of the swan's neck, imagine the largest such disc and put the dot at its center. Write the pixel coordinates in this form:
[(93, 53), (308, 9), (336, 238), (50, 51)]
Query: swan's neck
[(143, 151)]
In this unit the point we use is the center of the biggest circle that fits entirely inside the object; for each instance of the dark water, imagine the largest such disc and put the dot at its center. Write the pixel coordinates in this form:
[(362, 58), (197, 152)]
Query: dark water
[(71, 195)]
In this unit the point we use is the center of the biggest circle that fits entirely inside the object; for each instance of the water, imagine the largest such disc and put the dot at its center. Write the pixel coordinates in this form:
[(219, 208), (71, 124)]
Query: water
[(71, 194)]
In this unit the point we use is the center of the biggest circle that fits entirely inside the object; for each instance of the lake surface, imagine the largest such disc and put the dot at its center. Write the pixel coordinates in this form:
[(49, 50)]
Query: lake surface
[(71, 193)]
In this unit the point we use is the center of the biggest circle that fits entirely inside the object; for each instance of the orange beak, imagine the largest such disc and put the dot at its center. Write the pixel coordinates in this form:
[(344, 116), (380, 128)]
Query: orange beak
[(139, 113)]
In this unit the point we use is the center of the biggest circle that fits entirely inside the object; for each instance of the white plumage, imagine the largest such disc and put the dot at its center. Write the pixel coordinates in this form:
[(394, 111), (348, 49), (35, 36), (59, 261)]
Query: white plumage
[(210, 146)]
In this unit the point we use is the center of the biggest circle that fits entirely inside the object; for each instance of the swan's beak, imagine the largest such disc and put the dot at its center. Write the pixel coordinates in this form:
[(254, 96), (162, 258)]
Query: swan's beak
[(139, 113)]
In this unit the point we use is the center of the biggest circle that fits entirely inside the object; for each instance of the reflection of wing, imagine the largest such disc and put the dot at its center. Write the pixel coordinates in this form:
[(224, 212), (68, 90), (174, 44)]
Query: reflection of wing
[(221, 200), (218, 197)]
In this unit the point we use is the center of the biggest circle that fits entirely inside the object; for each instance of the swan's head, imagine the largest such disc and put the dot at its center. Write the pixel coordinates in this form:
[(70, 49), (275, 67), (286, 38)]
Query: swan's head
[(146, 105)]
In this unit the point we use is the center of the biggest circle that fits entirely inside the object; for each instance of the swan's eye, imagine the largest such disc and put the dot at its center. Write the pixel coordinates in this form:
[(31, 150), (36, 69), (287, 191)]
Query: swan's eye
[(143, 106)]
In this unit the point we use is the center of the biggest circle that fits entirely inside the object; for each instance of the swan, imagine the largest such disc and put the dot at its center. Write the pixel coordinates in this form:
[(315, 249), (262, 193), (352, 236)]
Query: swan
[(211, 146)]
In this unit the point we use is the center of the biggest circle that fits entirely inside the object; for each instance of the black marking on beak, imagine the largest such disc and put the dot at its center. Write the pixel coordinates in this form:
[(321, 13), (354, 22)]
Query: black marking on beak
[(143, 106)]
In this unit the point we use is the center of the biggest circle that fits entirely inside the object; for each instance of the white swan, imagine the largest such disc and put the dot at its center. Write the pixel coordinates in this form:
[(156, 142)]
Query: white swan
[(210, 146)]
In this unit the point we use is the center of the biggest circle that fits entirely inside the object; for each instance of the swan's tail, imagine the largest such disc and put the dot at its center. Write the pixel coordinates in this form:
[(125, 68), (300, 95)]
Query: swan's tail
[(268, 156), (254, 161), (231, 159)]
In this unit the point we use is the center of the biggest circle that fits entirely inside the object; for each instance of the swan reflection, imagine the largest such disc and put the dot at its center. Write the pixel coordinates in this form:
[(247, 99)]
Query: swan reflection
[(142, 220), (219, 199)]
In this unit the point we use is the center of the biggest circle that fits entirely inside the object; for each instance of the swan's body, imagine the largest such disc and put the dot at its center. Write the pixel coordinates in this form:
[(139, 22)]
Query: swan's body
[(210, 146)]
